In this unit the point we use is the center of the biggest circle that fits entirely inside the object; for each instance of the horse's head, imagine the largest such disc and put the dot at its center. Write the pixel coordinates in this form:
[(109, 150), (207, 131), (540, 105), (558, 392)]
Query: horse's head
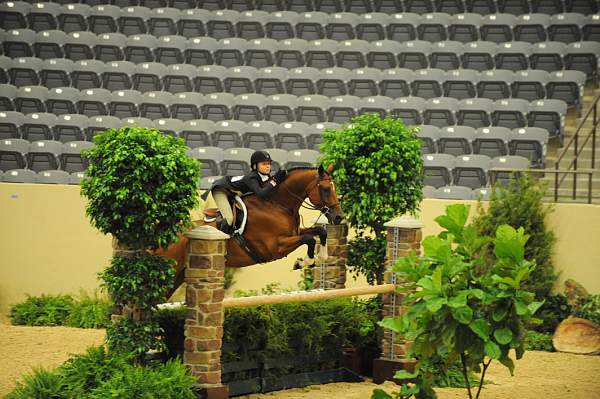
[(323, 196)]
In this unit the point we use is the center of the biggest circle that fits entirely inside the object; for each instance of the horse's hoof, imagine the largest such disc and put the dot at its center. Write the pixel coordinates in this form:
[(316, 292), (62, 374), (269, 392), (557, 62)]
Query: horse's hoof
[(297, 264)]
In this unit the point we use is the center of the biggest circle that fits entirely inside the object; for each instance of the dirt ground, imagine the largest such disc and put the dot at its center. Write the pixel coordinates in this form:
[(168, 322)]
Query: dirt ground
[(537, 375)]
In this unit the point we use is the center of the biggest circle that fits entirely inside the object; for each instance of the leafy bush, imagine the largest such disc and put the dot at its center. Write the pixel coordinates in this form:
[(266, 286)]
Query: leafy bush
[(554, 310), (458, 311), (378, 174), (590, 309), (40, 384), (315, 329), (102, 374), (90, 312), (45, 310), (134, 336), (138, 281), (537, 341), (140, 186), (365, 256), (520, 205)]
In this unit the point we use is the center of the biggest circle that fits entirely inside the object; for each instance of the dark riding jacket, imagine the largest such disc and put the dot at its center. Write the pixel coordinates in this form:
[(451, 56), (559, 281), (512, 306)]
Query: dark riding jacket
[(249, 183)]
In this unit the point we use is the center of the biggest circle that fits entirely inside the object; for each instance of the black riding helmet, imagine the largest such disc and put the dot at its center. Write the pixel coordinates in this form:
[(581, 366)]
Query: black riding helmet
[(259, 156)]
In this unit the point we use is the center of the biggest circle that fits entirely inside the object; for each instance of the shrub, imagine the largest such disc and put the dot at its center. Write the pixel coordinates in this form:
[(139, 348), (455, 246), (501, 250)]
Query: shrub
[(45, 310), (140, 186), (90, 312), (554, 310), (536, 341), (590, 309), (457, 310), (378, 174), (520, 205), (101, 374), (40, 384)]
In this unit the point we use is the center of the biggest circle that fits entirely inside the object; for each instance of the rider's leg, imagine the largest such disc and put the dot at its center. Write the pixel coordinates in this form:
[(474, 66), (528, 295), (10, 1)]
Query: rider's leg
[(222, 201)]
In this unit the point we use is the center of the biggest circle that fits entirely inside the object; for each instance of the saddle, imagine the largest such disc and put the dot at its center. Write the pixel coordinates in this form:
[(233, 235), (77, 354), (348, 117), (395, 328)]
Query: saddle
[(240, 215)]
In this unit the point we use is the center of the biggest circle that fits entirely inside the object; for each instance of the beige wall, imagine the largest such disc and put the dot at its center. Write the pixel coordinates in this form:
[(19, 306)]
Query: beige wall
[(48, 246)]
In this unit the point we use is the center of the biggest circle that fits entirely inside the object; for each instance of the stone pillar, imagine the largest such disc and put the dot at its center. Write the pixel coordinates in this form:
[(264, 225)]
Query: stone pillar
[(403, 236), (330, 274), (204, 276)]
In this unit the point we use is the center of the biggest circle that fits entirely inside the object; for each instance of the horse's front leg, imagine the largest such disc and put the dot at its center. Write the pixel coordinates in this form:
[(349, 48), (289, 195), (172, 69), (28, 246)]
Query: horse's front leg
[(322, 233), (289, 244)]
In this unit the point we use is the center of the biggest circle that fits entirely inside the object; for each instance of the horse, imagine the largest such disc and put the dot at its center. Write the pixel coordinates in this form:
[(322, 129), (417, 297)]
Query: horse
[(273, 226)]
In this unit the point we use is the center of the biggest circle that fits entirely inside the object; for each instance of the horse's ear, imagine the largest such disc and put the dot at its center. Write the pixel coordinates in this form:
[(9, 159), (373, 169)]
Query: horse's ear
[(330, 168), (320, 170)]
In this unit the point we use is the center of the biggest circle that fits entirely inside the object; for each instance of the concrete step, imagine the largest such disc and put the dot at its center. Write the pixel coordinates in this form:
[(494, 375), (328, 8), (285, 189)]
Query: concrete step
[(567, 183)]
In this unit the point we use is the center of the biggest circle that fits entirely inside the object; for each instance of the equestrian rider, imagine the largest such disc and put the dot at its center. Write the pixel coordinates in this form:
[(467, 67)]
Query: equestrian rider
[(258, 181)]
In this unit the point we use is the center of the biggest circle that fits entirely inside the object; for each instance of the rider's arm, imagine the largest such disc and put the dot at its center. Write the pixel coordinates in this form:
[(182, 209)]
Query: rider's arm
[(262, 192)]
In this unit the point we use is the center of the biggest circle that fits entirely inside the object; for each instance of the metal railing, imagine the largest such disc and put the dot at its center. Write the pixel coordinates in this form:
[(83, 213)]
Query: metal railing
[(577, 150), (555, 172)]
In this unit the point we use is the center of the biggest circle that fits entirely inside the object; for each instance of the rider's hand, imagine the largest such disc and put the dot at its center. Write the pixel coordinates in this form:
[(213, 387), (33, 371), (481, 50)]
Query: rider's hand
[(280, 176)]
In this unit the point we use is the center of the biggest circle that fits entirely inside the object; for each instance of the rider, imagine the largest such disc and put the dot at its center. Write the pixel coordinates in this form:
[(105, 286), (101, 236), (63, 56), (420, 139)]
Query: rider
[(258, 181)]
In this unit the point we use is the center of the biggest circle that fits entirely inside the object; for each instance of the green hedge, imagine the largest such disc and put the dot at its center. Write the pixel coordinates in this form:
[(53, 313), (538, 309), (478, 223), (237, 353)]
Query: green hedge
[(314, 329)]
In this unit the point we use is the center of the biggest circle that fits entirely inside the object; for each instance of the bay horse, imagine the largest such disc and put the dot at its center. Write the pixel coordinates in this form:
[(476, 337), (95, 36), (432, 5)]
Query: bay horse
[(273, 226)]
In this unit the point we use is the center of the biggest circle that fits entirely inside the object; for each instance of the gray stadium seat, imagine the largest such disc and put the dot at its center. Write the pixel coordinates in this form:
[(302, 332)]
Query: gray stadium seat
[(236, 161), (13, 154), (453, 193), (280, 108), (429, 136), (302, 158), (44, 155), (49, 44), (460, 83), (74, 17), (438, 169), (87, 74), (38, 126), (491, 141), (531, 28), (71, 160), (270, 80), (456, 140), (409, 109), (56, 73), (169, 126), (290, 135), (530, 143), (479, 55), (94, 102), (567, 86), (155, 104), (548, 56), (505, 162), (550, 115), (364, 82), (140, 48), (200, 50), (97, 124), (197, 132), (218, 106), (19, 176), (31, 99), (312, 108), (440, 111), (210, 157), (228, 134), (260, 135), (62, 100), (471, 170), (186, 106), (530, 84), (495, 84), (510, 113), (71, 127), (248, 107)]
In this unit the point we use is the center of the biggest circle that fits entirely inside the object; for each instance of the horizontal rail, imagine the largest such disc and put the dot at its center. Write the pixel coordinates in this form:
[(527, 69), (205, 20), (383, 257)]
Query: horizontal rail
[(305, 296)]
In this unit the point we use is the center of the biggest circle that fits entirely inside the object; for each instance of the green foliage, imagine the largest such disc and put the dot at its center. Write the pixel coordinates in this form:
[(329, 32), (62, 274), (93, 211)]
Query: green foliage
[(90, 312), (101, 374), (537, 341), (379, 175), (45, 310), (378, 169), (141, 280), (459, 310), (140, 186), (590, 309), (520, 205), (134, 336), (317, 330), (40, 384), (554, 310), (167, 381), (83, 373), (229, 277), (366, 255)]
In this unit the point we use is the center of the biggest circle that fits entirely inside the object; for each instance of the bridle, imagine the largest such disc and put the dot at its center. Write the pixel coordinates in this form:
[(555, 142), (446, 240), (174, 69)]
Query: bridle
[(325, 209)]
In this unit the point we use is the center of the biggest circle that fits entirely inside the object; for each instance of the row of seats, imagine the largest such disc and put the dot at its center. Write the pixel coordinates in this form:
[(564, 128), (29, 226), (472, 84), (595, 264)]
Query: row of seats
[(457, 193), (528, 142), (473, 171), (42, 177), (196, 133), (460, 84), (219, 24), (448, 56), (438, 111), (292, 53), (90, 8), (43, 155)]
